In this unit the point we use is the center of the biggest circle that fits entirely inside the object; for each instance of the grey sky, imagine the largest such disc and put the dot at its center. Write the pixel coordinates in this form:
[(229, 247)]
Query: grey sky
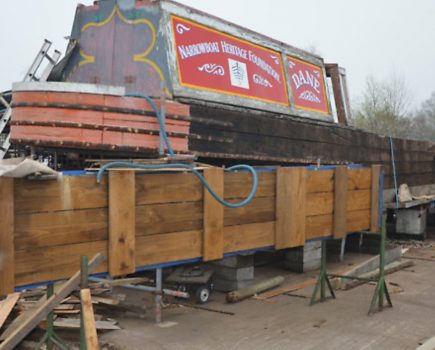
[(366, 37)]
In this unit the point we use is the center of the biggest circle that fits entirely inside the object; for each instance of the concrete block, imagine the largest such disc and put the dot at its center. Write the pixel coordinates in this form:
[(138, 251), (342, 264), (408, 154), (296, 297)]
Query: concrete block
[(223, 285), (411, 221), (234, 274), (303, 259), (238, 261)]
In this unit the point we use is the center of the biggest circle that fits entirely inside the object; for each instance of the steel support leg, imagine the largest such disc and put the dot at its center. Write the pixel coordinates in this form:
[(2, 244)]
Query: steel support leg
[(381, 289), (323, 280), (158, 296)]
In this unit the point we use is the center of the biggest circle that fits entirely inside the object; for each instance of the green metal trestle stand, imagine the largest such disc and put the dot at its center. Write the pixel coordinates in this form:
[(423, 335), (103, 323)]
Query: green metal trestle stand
[(381, 290), (50, 338), (323, 280)]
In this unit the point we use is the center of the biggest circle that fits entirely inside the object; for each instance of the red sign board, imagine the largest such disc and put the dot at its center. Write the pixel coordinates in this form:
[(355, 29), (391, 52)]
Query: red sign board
[(308, 85), (213, 61)]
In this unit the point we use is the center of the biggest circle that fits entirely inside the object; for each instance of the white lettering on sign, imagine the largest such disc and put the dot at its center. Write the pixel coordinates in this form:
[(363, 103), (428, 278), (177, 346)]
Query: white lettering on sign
[(234, 50), (306, 79), (198, 49), (263, 65), (259, 80)]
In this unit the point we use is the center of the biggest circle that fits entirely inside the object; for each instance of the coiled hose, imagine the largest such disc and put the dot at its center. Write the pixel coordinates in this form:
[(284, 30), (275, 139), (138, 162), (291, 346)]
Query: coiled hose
[(181, 165)]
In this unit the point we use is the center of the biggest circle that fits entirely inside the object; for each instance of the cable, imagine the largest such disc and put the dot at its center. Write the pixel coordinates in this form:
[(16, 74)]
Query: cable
[(195, 172)]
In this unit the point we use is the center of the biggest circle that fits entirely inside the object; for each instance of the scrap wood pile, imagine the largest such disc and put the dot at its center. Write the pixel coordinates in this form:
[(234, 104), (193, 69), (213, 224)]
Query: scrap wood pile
[(70, 307)]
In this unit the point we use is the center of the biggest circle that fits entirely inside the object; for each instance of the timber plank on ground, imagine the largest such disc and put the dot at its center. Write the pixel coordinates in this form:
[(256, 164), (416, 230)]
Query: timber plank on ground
[(6, 306), (46, 307)]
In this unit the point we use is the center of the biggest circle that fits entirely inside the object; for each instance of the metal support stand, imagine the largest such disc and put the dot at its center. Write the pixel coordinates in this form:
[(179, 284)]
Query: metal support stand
[(50, 338), (158, 291), (323, 280), (381, 290), (83, 285)]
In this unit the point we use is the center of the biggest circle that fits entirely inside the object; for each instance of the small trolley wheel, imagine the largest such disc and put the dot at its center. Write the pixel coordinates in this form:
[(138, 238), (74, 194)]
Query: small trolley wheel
[(202, 294)]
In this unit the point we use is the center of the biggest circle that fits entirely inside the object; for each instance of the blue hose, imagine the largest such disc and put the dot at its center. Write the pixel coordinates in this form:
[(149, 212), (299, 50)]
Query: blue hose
[(196, 173), (159, 118), (181, 165)]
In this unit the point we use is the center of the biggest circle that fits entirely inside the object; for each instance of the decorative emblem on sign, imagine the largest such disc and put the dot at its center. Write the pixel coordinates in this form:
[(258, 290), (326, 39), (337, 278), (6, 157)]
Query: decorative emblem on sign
[(212, 68), (258, 79), (309, 96), (181, 28), (275, 59), (238, 74)]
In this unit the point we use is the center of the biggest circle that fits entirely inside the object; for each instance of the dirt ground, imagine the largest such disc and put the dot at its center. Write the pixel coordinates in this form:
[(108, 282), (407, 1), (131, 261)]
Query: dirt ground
[(288, 322)]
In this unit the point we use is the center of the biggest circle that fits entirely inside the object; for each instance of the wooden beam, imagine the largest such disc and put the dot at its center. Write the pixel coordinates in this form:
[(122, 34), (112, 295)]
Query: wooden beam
[(122, 223), (374, 214), (290, 207), (89, 320), (7, 249), (6, 306), (333, 71), (213, 240), (340, 202), (45, 308)]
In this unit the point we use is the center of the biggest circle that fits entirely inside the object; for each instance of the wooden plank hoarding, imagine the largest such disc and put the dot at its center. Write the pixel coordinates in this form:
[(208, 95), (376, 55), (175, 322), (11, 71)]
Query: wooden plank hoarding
[(171, 218)]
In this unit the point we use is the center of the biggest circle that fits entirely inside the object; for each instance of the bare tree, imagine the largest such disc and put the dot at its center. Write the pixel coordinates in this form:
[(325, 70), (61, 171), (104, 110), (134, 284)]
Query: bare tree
[(424, 120), (384, 107)]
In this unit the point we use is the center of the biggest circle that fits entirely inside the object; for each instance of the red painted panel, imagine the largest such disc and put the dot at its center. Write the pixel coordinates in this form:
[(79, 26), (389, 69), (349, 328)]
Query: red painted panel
[(171, 108), (144, 123), (308, 85), (83, 128), (44, 114), (210, 60)]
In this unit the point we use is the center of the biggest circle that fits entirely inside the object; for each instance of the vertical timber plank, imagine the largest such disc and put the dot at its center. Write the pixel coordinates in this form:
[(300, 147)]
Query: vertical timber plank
[(7, 263), (122, 222), (290, 207), (89, 320), (374, 211), (213, 240), (340, 202)]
